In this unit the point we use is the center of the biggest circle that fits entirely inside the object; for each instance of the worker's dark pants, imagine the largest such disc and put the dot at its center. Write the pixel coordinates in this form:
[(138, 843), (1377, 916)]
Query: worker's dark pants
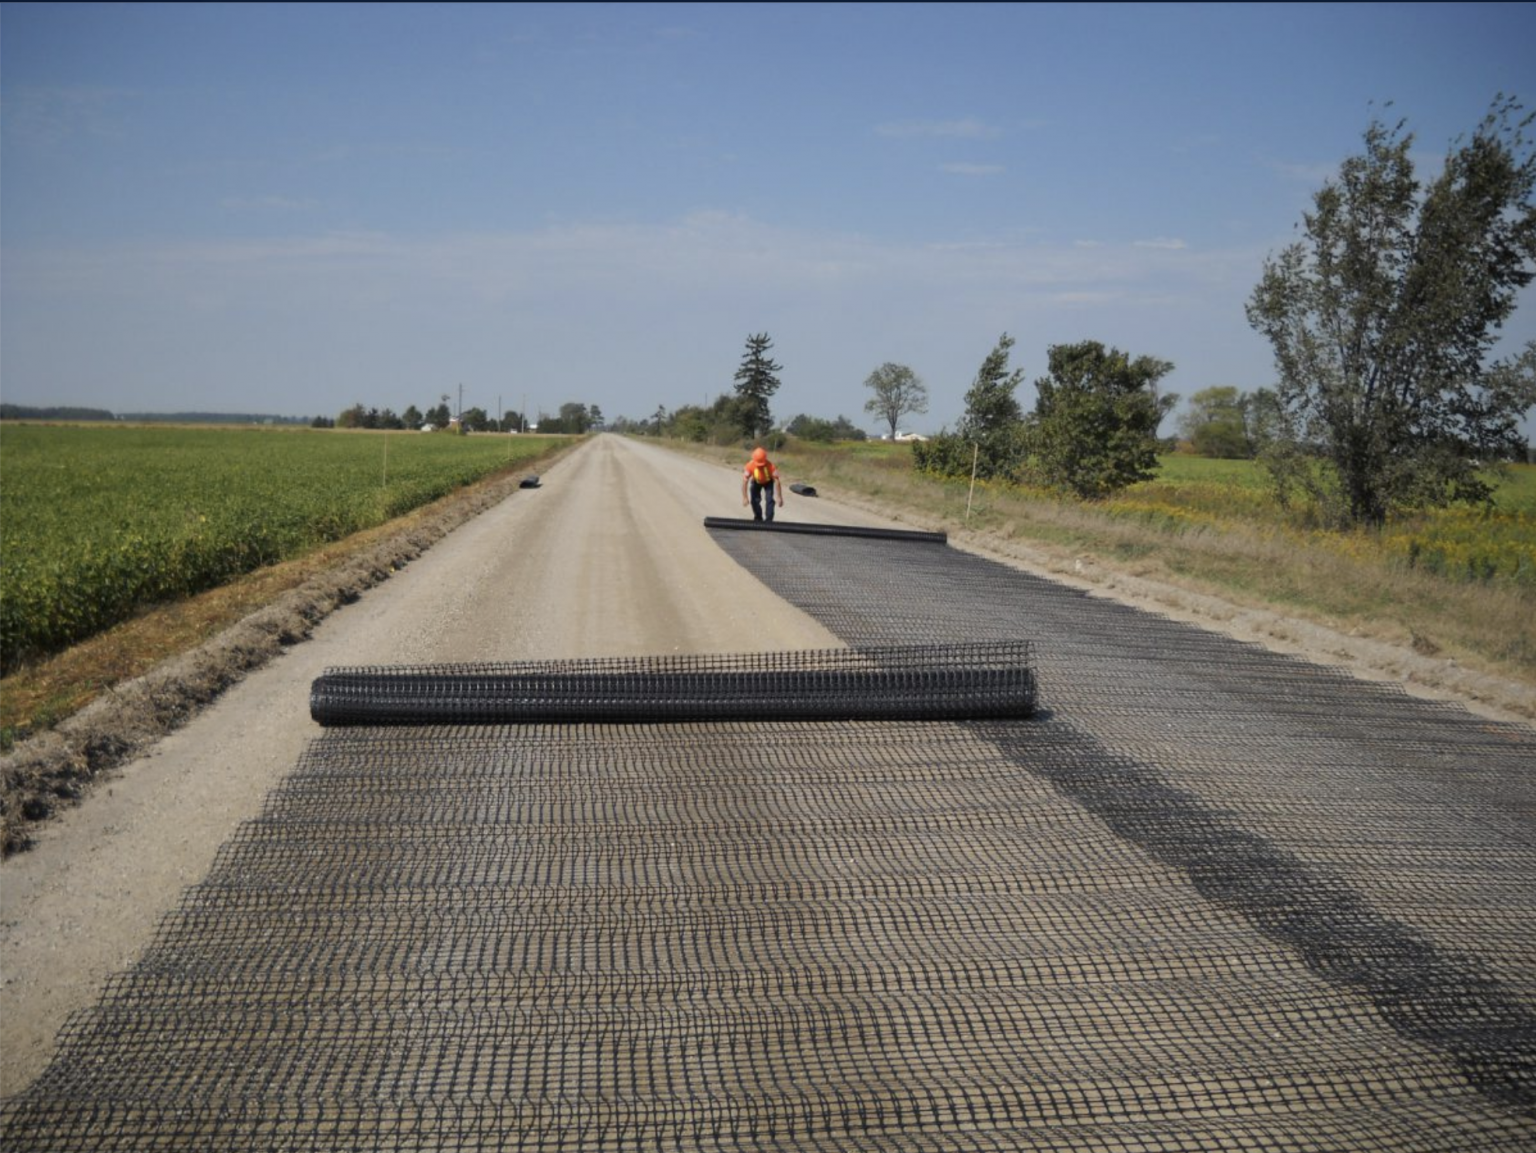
[(759, 492)]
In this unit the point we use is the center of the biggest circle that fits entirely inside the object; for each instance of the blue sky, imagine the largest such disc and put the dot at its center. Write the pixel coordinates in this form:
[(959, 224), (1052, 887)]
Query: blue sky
[(292, 208)]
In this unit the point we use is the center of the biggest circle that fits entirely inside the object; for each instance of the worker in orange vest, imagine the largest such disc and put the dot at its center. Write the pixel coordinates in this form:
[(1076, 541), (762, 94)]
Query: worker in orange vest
[(758, 477)]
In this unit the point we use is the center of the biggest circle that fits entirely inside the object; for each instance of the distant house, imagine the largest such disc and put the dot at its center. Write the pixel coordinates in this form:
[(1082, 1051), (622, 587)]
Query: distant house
[(429, 428), (908, 436)]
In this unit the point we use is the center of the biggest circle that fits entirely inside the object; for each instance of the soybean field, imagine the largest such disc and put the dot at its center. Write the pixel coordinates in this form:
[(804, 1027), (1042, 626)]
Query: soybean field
[(96, 523)]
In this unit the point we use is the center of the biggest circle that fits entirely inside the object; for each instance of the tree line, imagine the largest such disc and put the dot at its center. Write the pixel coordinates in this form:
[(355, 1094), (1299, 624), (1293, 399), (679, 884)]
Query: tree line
[(56, 412), (84, 415), (744, 414), (573, 417), (439, 416)]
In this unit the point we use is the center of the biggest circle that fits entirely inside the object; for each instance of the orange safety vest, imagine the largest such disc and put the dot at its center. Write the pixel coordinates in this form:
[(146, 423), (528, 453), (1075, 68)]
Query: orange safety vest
[(762, 473)]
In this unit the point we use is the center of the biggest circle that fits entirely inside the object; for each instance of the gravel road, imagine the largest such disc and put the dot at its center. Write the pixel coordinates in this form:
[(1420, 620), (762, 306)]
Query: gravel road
[(608, 557), (1207, 894)]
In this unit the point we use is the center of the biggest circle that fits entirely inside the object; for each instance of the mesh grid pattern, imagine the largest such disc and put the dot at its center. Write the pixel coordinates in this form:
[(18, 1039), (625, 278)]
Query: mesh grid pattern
[(1208, 899), (895, 682), (844, 530), (1390, 840)]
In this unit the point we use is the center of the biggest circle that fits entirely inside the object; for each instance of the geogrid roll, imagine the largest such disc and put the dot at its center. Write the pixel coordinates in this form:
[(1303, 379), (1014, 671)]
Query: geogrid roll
[(895, 682), (1208, 898), (811, 529)]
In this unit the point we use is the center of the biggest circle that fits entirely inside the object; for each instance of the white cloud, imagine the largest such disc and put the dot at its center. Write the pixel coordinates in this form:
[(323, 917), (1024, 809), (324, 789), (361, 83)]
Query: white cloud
[(972, 169), (691, 262), (1312, 173), (967, 129), (675, 298), (1427, 165), (54, 114), (691, 258)]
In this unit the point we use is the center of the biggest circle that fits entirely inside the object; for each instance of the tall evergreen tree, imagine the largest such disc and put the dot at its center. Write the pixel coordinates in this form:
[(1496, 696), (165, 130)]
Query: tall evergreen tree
[(756, 381)]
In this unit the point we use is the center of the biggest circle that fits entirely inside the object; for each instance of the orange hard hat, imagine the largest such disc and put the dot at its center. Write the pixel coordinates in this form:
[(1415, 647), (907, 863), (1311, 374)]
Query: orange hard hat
[(759, 455)]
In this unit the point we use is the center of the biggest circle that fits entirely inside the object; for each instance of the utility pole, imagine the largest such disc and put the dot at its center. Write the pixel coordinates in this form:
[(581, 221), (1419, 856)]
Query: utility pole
[(525, 412)]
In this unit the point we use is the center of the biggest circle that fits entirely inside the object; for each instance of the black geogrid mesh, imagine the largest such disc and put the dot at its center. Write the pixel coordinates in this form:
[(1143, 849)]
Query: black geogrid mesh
[(893, 682), (1390, 841), (1208, 899), (843, 530)]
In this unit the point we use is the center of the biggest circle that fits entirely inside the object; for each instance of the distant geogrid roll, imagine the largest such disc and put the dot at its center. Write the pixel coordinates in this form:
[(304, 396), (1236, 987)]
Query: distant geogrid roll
[(972, 681)]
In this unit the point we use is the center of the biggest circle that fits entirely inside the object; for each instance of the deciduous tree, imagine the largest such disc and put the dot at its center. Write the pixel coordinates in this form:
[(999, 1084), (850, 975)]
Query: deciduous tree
[(898, 391), (1215, 425), (1094, 428), (1384, 315), (574, 417)]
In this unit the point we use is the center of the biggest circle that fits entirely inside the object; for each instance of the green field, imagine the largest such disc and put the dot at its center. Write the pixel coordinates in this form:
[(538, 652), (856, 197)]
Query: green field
[(1515, 484), (98, 522)]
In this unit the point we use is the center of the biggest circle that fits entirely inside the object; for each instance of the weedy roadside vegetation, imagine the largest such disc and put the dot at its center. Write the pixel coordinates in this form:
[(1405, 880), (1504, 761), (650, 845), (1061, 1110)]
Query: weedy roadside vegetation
[(1458, 583)]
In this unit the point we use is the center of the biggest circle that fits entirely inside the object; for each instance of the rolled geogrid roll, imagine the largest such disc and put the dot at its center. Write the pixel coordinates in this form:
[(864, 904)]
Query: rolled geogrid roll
[(906, 682), (826, 529)]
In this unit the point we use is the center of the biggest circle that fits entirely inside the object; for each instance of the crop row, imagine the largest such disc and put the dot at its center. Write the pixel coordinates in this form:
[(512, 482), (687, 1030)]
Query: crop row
[(97, 523)]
